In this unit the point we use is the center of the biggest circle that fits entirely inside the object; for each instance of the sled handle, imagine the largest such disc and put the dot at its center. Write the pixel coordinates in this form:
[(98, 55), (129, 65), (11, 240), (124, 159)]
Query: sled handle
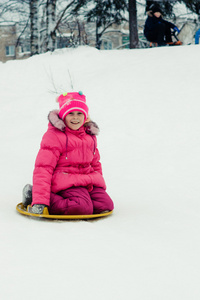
[(174, 35)]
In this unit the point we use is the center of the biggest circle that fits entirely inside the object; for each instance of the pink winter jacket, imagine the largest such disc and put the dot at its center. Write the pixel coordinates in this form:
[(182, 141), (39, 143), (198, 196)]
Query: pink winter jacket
[(65, 159)]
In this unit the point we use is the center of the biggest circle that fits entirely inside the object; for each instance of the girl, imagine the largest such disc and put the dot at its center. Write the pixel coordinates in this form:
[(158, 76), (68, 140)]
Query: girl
[(68, 175)]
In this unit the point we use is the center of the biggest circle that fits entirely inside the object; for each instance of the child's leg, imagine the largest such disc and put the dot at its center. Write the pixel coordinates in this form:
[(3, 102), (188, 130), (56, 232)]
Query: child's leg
[(160, 33), (73, 201), (101, 200), (168, 35)]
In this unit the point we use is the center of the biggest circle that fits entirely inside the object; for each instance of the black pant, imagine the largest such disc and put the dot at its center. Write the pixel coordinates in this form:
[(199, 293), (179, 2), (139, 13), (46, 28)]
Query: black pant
[(161, 34)]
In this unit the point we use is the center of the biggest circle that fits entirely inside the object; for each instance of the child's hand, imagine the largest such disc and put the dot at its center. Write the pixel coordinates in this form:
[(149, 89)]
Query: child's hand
[(38, 209), (176, 29)]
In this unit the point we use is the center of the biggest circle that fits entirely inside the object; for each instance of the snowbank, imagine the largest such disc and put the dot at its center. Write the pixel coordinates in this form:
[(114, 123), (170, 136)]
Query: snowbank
[(146, 103)]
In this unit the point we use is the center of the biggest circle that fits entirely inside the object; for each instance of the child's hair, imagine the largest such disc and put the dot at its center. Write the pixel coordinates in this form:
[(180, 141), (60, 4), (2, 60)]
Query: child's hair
[(73, 101)]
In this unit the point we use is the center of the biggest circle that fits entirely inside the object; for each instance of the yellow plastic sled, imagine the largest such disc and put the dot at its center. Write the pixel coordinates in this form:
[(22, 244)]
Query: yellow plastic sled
[(27, 211)]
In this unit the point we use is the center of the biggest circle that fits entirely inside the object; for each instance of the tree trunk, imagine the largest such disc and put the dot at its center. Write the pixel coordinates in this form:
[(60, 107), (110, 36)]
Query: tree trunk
[(133, 30), (98, 35), (34, 26), (50, 25)]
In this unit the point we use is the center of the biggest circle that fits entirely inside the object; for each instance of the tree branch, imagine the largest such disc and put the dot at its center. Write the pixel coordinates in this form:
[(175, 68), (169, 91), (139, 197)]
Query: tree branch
[(63, 13)]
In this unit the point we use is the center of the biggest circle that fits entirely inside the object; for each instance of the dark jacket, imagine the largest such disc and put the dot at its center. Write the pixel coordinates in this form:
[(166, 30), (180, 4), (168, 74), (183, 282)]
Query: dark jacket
[(152, 22)]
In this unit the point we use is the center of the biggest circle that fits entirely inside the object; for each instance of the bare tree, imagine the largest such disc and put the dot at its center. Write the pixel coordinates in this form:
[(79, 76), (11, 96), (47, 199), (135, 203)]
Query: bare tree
[(34, 26), (42, 19), (50, 25), (103, 13)]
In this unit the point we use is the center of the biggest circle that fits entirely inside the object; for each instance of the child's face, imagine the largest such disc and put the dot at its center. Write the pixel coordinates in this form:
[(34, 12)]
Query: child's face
[(157, 14), (74, 120)]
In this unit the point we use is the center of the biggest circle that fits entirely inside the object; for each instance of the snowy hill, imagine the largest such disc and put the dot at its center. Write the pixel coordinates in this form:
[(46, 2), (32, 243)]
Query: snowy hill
[(146, 103)]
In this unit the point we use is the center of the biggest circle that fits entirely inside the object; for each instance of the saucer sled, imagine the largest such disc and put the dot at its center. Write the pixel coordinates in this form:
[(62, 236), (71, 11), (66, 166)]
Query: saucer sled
[(27, 212)]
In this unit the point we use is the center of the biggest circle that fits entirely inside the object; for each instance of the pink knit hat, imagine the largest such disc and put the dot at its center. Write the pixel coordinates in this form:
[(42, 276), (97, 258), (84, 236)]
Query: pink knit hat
[(69, 102)]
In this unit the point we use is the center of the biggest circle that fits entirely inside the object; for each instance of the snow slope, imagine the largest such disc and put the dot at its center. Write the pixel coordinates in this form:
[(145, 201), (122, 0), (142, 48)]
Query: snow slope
[(146, 103)]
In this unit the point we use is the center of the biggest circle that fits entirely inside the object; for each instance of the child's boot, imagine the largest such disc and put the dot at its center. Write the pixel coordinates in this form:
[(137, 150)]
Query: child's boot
[(27, 195)]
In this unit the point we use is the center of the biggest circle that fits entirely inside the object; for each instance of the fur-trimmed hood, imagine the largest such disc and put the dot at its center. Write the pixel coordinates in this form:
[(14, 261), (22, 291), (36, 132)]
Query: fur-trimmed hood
[(90, 126)]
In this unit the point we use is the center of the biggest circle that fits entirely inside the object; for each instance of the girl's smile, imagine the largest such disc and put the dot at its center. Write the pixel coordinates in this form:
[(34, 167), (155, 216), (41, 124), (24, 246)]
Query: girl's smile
[(74, 120)]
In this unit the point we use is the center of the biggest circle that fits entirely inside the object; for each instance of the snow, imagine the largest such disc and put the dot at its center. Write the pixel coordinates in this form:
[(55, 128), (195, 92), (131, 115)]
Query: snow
[(146, 103)]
